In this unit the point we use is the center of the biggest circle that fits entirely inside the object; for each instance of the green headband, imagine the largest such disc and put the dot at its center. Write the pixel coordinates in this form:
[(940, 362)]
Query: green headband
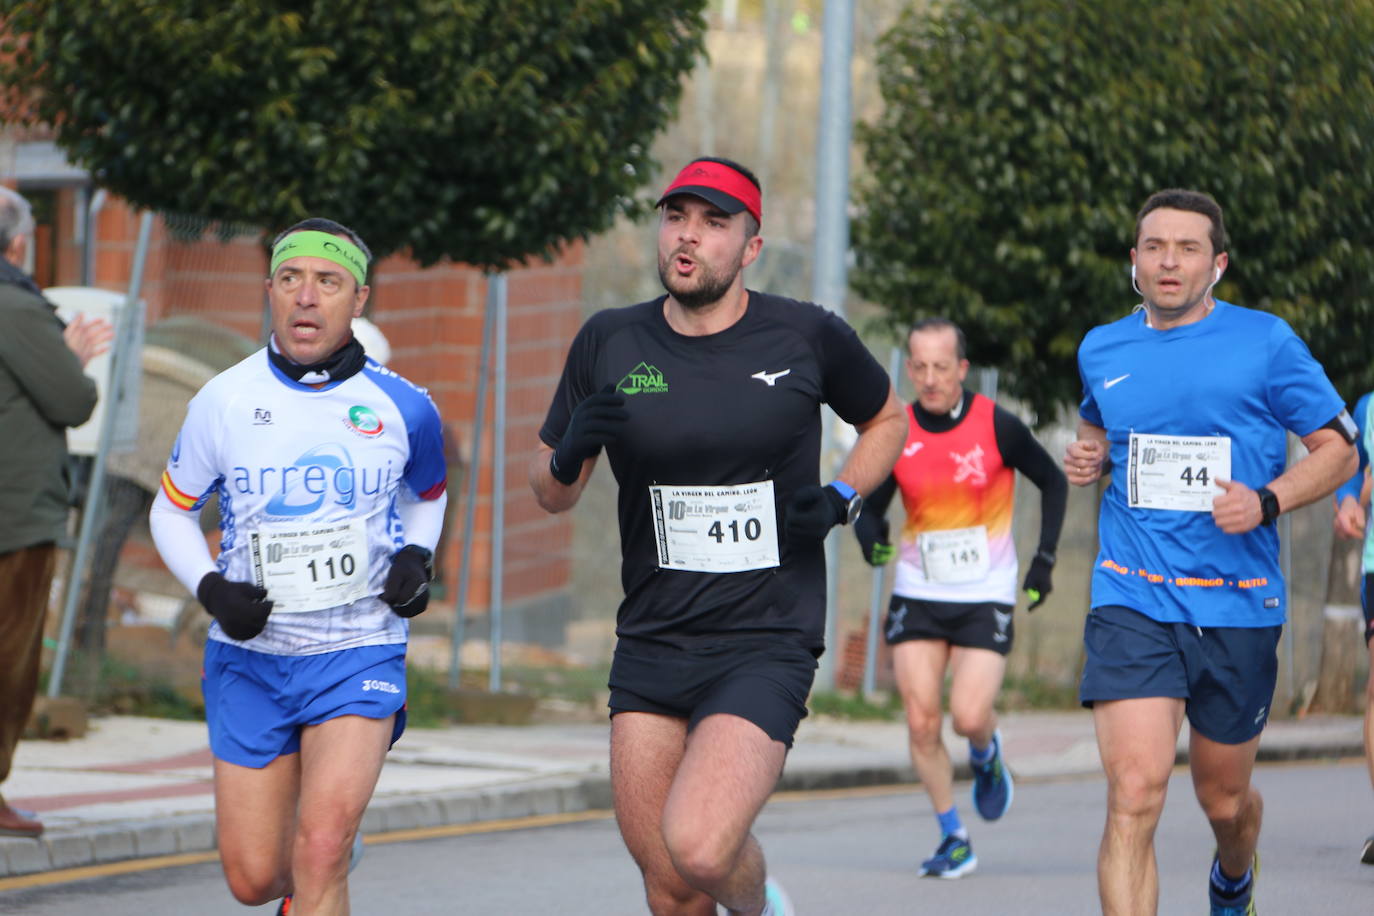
[(310, 243)]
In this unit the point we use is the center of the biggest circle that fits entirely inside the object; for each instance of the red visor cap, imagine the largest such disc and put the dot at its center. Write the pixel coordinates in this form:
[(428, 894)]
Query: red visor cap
[(719, 184)]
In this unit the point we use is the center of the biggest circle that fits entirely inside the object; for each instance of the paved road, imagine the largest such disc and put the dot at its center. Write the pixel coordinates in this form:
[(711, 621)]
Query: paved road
[(850, 852)]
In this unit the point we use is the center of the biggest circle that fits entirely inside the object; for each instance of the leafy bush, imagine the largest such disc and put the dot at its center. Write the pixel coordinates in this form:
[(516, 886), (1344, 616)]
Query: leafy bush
[(478, 130), (1019, 138)]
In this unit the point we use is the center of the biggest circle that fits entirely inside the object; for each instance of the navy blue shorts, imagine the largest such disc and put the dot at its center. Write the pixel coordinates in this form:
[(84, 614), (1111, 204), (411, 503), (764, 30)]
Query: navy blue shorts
[(1366, 589), (765, 683), (256, 703), (974, 625), (1226, 675)]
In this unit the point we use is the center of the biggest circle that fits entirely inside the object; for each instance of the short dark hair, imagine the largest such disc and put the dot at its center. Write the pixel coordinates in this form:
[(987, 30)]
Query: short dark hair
[(321, 224), (751, 225), (1193, 202), (939, 323)]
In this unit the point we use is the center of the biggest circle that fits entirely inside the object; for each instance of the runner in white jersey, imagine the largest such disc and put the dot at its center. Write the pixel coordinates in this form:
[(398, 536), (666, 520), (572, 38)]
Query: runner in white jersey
[(331, 483)]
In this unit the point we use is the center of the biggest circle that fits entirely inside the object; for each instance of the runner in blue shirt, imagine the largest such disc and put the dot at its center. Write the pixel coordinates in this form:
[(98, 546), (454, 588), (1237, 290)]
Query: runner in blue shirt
[(1187, 402), (1351, 501)]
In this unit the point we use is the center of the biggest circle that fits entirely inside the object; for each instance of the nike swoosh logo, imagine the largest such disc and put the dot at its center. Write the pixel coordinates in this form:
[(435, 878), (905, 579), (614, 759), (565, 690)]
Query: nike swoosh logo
[(1107, 383), (913, 448), (770, 378)]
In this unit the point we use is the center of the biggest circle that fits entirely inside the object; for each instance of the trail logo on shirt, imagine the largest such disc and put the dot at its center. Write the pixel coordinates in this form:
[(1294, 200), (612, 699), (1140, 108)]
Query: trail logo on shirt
[(363, 420), (643, 379)]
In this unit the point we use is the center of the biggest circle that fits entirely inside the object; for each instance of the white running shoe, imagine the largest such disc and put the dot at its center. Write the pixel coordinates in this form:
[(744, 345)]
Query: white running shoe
[(776, 902)]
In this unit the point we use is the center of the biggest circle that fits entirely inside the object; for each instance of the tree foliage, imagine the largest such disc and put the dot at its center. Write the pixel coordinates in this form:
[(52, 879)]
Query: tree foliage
[(1020, 137), (479, 130)]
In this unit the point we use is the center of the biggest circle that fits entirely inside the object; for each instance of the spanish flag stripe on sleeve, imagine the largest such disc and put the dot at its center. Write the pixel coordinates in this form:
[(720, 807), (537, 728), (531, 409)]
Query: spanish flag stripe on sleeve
[(176, 496)]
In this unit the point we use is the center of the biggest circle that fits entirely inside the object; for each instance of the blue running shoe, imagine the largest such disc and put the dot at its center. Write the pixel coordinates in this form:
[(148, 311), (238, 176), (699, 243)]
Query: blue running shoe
[(953, 859), (1234, 906), (775, 900), (992, 785)]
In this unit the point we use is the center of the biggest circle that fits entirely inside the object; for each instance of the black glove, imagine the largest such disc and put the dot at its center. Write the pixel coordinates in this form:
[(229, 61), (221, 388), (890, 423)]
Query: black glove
[(872, 532), (407, 582), (812, 512), (595, 422), (1038, 585), (240, 607)]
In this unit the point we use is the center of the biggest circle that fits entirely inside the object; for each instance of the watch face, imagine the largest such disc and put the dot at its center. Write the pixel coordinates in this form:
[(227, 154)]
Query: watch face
[(856, 504)]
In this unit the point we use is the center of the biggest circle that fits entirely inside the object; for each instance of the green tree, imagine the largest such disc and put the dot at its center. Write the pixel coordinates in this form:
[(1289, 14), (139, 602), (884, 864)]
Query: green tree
[(479, 130), (1019, 138)]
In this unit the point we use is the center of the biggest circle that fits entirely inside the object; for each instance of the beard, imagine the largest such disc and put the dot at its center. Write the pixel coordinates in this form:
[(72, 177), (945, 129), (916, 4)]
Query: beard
[(709, 287)]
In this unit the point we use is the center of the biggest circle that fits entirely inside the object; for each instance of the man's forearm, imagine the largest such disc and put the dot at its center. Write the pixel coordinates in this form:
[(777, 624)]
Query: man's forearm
[(1330, 461), (551, 494), (878, 447)]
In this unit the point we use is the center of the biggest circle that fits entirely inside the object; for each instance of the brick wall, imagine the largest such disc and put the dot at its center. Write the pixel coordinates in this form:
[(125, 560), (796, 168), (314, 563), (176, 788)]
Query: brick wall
[(433, 321)]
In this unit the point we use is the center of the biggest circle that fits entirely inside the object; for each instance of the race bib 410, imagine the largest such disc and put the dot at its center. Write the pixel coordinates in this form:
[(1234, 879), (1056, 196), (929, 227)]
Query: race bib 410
[(716, 529)]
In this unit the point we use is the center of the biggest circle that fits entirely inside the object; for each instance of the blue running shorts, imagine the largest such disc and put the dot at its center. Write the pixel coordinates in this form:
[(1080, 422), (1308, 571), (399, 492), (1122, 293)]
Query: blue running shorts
[(1226, 675), (764, 683), (257, 703)]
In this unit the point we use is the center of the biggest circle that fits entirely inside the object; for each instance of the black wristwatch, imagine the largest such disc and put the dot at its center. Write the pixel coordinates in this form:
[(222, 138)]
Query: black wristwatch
[(1269, 505), (853, 501), (1045, 556)]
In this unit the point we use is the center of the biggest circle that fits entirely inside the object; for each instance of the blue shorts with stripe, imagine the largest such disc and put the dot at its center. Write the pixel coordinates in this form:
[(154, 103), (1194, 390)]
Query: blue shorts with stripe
[(256, 703), (1224, 675)]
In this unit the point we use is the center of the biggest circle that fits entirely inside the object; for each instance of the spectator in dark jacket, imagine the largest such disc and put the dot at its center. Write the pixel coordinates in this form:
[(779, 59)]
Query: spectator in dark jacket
[(43, 390)]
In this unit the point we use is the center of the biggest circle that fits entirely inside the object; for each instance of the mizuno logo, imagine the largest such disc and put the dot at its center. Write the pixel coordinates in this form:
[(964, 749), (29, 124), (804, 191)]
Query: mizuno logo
[(913, 448), (1107, 383), (770, 378)]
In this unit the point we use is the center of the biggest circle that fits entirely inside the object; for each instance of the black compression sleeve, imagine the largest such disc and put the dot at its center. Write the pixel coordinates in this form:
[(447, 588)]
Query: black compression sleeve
[(1021, 451), (881, 497)]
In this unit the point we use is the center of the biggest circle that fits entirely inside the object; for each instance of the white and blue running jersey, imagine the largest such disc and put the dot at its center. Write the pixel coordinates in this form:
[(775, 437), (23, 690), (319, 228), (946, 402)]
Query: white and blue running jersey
[(322, 469), (1234, 381)]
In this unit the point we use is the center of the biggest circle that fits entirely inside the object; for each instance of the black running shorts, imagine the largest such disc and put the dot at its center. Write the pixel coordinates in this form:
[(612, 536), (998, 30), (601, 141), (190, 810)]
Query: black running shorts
[(765, 683), (974, 625)]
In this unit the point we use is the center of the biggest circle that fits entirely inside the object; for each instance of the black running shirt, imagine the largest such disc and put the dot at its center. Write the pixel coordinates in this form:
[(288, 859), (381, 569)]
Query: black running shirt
[(730, 408)]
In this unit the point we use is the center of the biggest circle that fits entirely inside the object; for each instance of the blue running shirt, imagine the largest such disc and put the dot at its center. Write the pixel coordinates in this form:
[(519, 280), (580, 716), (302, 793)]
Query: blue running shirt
[(1238, 373)]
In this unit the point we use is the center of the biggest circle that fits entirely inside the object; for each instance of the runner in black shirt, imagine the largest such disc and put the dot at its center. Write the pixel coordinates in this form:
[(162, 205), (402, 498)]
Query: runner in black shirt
[(707, 402)]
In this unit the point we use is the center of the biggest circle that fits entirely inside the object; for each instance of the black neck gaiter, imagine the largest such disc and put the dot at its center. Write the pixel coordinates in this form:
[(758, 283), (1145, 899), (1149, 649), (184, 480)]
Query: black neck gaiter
[(345, 362)]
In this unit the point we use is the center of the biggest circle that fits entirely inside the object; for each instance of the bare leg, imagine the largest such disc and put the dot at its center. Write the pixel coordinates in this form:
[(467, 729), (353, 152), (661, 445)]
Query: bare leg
[(1221, 779), (255, 822), (1136, 740), (1369, 713), (646, 750), (919, 666), (976, 682), (730, 768), (340, 762)]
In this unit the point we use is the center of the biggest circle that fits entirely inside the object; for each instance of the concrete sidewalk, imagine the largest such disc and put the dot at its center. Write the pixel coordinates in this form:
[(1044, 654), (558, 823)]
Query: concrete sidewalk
[(136, 787)]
